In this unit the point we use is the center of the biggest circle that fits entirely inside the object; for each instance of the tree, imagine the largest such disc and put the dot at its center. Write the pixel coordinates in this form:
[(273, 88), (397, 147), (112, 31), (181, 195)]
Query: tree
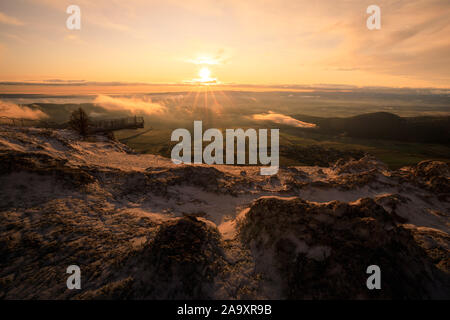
[(79, 121)]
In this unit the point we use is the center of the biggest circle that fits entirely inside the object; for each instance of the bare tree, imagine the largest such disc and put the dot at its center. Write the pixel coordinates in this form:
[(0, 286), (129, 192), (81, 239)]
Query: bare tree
[(79, 121)]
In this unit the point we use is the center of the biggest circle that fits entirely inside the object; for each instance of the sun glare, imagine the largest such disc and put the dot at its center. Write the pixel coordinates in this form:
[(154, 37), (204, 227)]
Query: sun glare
[(204, 74), (204, 77), (204, 60)]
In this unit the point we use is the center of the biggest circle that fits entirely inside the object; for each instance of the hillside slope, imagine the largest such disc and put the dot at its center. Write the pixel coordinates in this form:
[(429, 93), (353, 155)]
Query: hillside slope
[(141, 227), (388, 126)]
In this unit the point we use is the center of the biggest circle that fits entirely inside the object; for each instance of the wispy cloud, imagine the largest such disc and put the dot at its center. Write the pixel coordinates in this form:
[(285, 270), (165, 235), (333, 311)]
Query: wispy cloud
[(13, 37), (204, 60), (107, 24), (289, 41), (74, 38), (413, 42), (5, 19)]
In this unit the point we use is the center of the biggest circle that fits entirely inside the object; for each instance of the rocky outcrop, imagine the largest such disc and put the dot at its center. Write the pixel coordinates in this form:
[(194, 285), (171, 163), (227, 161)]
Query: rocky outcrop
[(364, 164), (206, 178), (181, 262), (141, 227), (43, 164), (322, 251), (432, 175)]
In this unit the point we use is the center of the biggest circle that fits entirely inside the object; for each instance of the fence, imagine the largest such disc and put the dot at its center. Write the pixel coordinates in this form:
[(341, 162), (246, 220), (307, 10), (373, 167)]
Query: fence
[(94, 125), (117, 124), (19, 122)]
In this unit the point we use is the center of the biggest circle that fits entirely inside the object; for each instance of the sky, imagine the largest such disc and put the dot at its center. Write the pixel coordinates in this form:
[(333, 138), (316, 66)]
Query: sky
[(259, 42)]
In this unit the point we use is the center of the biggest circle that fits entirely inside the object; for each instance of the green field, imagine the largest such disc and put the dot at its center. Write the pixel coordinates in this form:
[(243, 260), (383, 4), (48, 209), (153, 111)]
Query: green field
[(395, 154)]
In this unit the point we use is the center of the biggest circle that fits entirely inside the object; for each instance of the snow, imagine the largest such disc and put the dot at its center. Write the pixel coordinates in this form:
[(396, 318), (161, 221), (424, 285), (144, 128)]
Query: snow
[(221, 209), (133, 195)]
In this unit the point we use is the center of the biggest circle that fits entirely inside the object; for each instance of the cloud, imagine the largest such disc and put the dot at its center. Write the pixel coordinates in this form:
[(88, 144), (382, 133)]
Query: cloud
[(412, 42), (289, 41), (63, 81), (74, 38), (221, 57), (204, 60), (107, 24), (201, 81), (5, 19), (132, 105), (12, 110), (13, 37), (282, 119)]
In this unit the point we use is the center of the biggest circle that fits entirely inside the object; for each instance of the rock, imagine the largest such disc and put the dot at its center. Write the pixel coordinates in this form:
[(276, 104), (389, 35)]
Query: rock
[(180, 263), (429, 169), (364, 164), (431, 175), (43, 164), (144, 234), (322, 251)]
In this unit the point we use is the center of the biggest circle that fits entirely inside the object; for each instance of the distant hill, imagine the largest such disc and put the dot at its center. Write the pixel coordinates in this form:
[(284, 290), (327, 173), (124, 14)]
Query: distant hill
[(385, 125)]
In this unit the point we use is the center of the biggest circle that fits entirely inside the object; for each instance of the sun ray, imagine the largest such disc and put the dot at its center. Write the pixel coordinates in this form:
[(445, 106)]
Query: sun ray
[(223, 94)]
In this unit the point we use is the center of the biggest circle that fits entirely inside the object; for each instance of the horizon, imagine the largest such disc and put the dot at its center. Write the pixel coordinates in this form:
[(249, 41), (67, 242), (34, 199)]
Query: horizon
[(56, 87)]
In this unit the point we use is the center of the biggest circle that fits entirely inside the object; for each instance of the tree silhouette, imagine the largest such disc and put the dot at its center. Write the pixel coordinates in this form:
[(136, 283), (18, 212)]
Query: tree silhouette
[(79, 121)]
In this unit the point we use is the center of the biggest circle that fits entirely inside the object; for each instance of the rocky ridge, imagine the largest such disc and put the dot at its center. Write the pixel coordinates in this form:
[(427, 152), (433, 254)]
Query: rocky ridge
[(141, 227)]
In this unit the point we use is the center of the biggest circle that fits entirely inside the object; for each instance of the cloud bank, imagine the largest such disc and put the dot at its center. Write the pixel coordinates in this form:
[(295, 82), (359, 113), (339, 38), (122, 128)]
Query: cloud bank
[(133, 105), (12, 110), (282, 119)]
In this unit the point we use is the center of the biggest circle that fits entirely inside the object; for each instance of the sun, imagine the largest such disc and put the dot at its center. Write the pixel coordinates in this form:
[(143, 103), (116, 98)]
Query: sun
[(204, 77), (205, 74)]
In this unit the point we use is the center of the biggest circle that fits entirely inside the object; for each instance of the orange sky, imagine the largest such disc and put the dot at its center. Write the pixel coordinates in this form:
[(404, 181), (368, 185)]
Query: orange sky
[(241, 42)]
